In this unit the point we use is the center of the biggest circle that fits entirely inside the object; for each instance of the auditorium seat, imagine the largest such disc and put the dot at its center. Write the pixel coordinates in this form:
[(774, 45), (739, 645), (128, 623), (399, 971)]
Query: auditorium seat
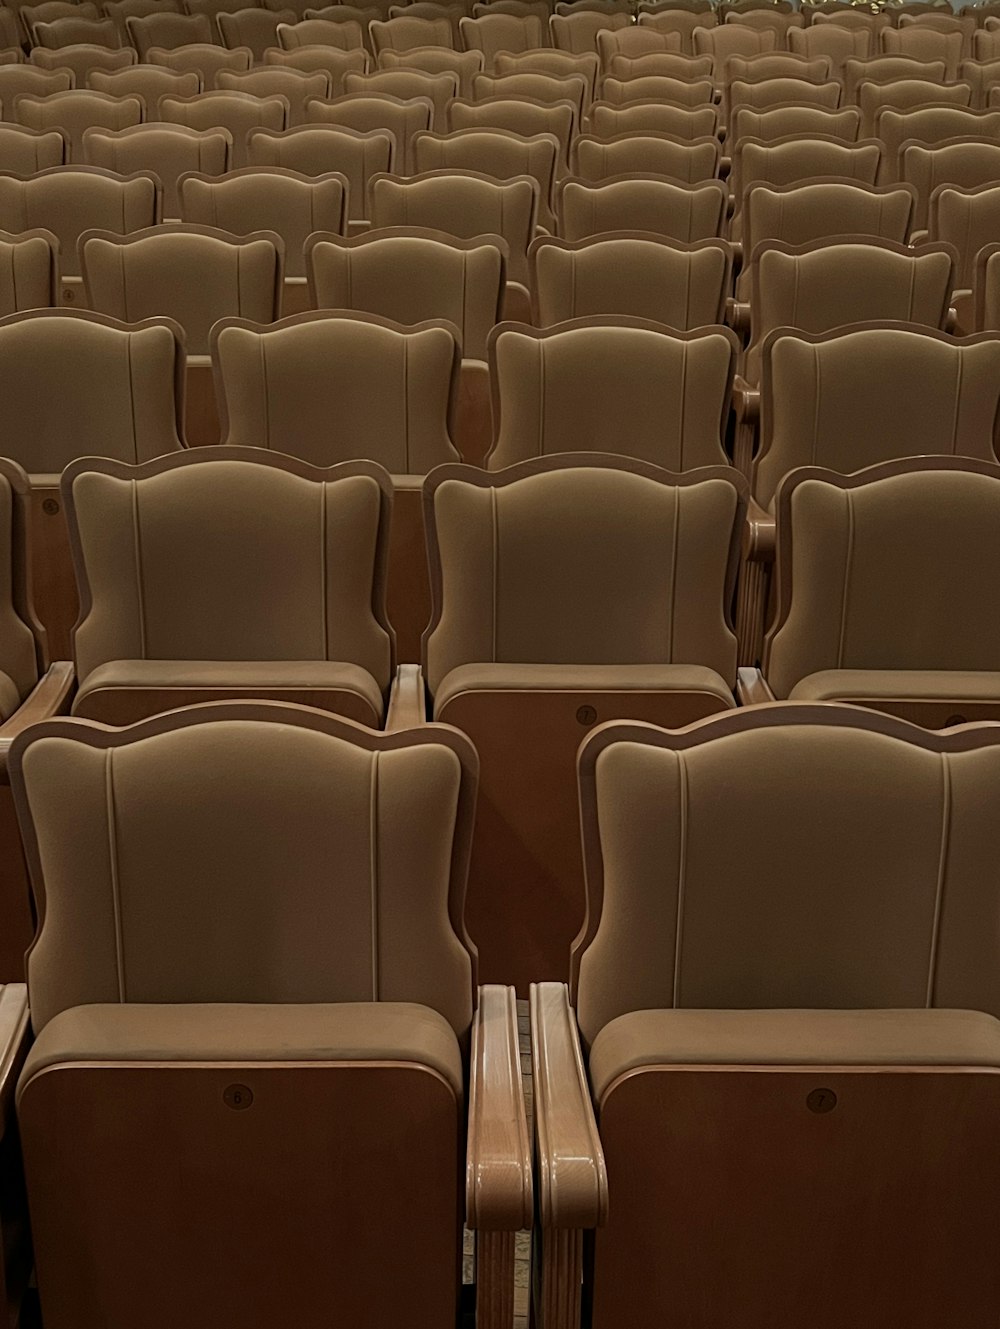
[(986, 290), (651, 116), (633, 273), (325, 59), (689, 161), (498, 153), (535, 85), (345, 36), (908, 94), (120, 10), (82, 61), (148, 82), (292, 943), (399, 34), (465, 65), (29, 268), (74, 112), (664, 64), (24, 151), (684, 22), (519, 115), (577, 33), (854, 397), (15, 80), (408, 84), (246, 573), (962, 162), (320, 149), (771, 1084), (432, 9), (730, 39), (836, 43), (203, 57), (613, 600), (679, 92), (886, 69), (982, 76), (797, 159), (929, 125), (634, 41), (333, 387), (76, 32), (236, 112), (777, 122), (496, 33), (165, 31), (366, 113), (295, 85), (612, 384), (212, 10), (256, 29), (922, 43), (168, 150)]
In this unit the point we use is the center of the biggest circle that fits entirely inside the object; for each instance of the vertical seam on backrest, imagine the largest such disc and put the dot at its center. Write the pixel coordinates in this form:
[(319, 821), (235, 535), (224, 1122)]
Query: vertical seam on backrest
[(109, 800), (682, 822), (540, 352), (495, 561), (132, 397), (682, 402), (957, 408), (913, 288), (465, 302), (846, 587), (262, 350), (122, 281), (946, 812), (324, 565), (793, 322), (12, 266), (137, 557), (817, 394), (406, 406), (673, 573), (374, 876)]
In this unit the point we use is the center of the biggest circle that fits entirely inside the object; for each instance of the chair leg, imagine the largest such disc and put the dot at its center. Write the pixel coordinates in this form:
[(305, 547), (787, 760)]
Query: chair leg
[(559, 1287), (494, 1280)]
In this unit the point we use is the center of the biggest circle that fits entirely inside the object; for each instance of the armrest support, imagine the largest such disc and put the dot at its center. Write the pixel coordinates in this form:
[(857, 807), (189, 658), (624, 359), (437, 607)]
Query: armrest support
[(572, 1180), (759, 534), (498, 1193), (49, 697), (407, 703), (738, 318), (746, 399), (14, 1039), (752, 688)]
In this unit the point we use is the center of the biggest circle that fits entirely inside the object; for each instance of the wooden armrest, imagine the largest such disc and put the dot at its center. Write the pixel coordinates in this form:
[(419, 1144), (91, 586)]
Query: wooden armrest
[(746, 399), (951, 319), (759, 534), (407, 703), (738, 318), (50, 696), (572, 1182), (725, 166), (752, 688), (14, 1040), (498, 1193)]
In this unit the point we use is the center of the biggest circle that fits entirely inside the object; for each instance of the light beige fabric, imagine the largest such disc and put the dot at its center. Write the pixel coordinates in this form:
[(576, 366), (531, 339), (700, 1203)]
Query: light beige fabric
[(322, 149), (584, 580), (643, 203), (321, 59), (969, 219), (837, 43), (681, 122), (930, 124), (400, 34), (28, 264), (908, 94), (203, 822), (964, 163), (77, 32), (169, 151), (520, 116), (295, 85), (407, 84), (168, 31), (254, 28), (777, 122), (660, 65), (535, 86), (886, 69), (683, 23), (19, 655), (149, 82), (889, 576), (15, 80), (647, 153), (921, 43), (118, 385), (236, 112), (612, 386), (82, 61), (380, 112), (499, 153), (193, 275), (732, 39), (870, 686), (321, 32), (578, 32), (465, 65), (791, 1038), (205, 59), (692, 93), (558, 63), (75, 112), (330, 389), (501, 32), (25, 151)]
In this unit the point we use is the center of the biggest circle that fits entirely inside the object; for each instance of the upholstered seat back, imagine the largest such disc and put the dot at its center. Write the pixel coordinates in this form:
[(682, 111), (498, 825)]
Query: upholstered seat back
[(19, 653), (254, 853)]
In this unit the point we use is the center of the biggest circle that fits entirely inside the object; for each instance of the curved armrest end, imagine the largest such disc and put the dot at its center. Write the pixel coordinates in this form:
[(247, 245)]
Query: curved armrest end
[(752, 688), (759, 534), (498, 1191), (407, 702), (49, 697), (14, 1039)]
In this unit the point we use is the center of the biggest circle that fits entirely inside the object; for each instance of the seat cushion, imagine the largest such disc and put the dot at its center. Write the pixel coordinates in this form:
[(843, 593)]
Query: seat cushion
[(581, 678), (249, 678), (933, 685), (10, 698), (792, 1038), (350, 1031)]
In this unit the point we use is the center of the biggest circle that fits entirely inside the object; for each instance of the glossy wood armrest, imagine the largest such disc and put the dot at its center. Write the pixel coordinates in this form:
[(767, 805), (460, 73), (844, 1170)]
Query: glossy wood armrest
[(571, 1180), (759, 534), (407, 703), (752, 688), (498, 1193), (49, 697), (14, 1040), (738, 318), (951, 319), (746, 399)]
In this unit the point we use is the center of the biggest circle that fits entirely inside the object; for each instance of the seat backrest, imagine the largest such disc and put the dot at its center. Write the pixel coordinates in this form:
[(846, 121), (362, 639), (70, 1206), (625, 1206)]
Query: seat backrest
[(255, 28), (610, 383), (501, 32), (533, 86), (207, 60), (321, 59), (839, 44), (521, 116), (864, 394), (276, 561), (16, 80), (81, 61), (68, 200), (631, 273), (635, 41), (77, 32), (905, 94), (581, 540), (192, 274), (166, 31), (76, 111), (578, 32), (923, 43), (24, 151), (499, 153), (321, 149), (169, 151), (680, 122), (464, 204), (411, 275), (367, 112), (887, 68), (295, 85), (831, 899), (121, 384), (148, 82), (683, 23), (320, 32), (782, 91), (332, 387), (400, 34), (22, 639), (660, 64), (917, 535), (986, 288), (962, 162), (691, 160), (778, 122), (465, 65), (678, 92), (217, 804), (968, 219), (407, 85), (29, 271), (733, 39), (800, 157), (929, 125), (560, 64), (642, 203), (120, 10), (273, 199), (824, 209), (237, 112)]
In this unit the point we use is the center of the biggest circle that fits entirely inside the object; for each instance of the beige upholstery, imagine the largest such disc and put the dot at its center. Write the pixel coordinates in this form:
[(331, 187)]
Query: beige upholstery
[(908, 534), (295, 85), (611, 385), (167, 31), (676, 20), (367, 113), (69, 200), (81, 61), (277, 200), (782, 91), (922, 43), (501, 32), (409, 275), (966, 218), (660, 65), (465, 65), (494, 152), (633, 42), (254, 28), (837, 43), (321, 59), (205, 59), (777, 64), (213, 9), (690, 161), (679, 92), (982, 76), (29, 265), (964, 163), (464, 204), (607, 120), (74, 112), (278, 563), (24, 151), (888, 68), (778, 122), (18, 79), (518, 115), (193, 274), (644, 203), (332, 387), (929, 125), (320, 149), (732, 39), (535, 86), (149, 82), (906, 94), (121, 385), (407, 84), (645, 276), (236, 112), (76, 32), (120, 10), (578, 32), (400, 34), (320, 32), (560, 64), (987, 288), (20, 654), (928, 393), (169, 151), (51, 10), (799, 158)]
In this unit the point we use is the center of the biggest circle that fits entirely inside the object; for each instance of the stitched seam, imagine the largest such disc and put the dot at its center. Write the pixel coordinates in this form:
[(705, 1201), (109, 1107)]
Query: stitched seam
[(957, 410), (683, 394), (817, 394), (845, 595), (109, 799), (675, 538), (137, 553), (946, 810), (324, 574), (406, 406), (374, 877), (496, 559), (132, 397), (682, 821)]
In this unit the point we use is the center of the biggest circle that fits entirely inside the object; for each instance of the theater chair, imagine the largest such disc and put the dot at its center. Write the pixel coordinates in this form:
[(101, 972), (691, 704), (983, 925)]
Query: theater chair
[(770, 1093), (261, 1063)]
